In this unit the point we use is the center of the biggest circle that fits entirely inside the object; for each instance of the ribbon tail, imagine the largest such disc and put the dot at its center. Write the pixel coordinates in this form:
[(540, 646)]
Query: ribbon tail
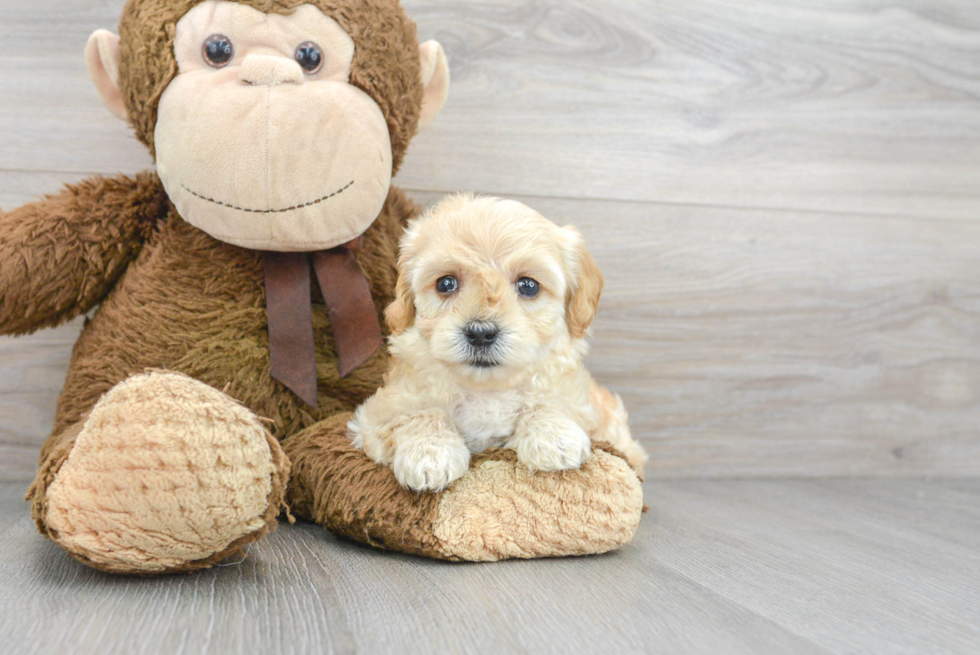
[(351, 309), (292, 350)]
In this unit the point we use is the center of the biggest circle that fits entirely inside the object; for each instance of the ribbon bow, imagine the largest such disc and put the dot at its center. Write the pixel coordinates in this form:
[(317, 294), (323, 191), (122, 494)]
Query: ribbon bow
[(292, 349)]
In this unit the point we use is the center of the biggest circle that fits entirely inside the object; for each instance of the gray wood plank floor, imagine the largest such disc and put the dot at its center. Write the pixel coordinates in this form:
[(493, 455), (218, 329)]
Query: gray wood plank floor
[(746, 566)]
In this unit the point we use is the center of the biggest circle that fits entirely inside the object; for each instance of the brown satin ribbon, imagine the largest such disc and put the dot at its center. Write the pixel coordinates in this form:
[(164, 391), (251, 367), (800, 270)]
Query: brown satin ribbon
[(345, 290)]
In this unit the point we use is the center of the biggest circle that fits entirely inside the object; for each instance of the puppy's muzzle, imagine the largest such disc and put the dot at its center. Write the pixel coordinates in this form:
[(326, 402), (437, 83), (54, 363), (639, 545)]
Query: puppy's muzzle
[(481, 336), (483, 343)]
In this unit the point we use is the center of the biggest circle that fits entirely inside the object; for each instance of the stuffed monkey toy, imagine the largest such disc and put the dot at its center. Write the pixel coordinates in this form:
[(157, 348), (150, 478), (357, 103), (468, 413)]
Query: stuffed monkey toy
[(240, 291)]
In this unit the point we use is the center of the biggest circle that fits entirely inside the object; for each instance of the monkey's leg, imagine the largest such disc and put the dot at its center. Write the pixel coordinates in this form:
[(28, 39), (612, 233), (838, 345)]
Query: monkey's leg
[(497, 510), (164, 474)]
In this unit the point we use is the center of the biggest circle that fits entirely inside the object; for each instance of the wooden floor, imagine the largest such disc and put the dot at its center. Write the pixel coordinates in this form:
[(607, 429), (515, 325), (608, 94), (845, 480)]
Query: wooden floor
[(784, 196), (751, 566)]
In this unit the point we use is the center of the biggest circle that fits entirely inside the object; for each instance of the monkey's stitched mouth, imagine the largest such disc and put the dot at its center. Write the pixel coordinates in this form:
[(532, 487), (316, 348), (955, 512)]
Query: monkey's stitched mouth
[(270, 211)]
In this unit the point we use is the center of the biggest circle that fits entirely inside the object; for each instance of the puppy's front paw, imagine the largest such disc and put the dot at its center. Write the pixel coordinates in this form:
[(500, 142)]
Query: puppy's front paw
[(553, 446), (430, 464)]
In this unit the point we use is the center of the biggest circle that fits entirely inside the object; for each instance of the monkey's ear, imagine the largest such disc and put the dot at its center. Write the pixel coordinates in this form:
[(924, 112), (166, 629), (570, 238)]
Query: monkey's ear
[(435, 81), (102, 57)]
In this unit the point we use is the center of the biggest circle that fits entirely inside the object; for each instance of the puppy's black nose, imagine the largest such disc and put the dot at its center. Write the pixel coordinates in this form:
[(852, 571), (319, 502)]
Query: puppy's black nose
[(481, 335)]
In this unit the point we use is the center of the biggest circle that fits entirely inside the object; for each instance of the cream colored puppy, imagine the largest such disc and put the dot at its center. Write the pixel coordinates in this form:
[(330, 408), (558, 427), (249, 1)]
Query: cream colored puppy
[(492, 304)]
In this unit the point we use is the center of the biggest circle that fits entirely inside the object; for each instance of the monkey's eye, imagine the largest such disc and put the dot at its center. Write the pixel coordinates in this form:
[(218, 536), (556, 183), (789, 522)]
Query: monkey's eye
[(447, 284), (528, 287), (218, 50), (309, 57)]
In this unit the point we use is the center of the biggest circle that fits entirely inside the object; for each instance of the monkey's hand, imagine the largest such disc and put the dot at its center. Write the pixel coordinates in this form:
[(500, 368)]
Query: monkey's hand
[(60, 256)]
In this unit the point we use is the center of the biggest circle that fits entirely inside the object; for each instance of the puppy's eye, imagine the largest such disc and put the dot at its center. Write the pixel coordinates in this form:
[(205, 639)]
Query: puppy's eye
[(528, 287), (447, 284), (218, 50)]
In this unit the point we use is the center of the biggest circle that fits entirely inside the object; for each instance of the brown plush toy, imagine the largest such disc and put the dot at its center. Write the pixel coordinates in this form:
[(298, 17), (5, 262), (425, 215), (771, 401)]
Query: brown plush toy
[(276, 126)]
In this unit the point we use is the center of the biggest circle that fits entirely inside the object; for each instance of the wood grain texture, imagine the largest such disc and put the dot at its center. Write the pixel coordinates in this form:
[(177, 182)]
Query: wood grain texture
[(853, 106), (745, 343), (51, 118), (862, 106), (750, 342), (730, 566), (32, 372)]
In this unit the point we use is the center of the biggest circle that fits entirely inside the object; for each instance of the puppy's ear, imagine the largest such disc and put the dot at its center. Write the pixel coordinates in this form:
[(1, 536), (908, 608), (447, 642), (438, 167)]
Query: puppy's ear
[(585, 287), (400, 314)]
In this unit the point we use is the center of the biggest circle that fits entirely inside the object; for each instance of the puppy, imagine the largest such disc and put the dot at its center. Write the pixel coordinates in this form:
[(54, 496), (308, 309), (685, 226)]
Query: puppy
[(492, 304)]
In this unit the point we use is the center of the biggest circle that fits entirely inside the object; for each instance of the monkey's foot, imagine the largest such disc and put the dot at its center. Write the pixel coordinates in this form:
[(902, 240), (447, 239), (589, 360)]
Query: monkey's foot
[(502, 509), (166, 474), (499, 509)]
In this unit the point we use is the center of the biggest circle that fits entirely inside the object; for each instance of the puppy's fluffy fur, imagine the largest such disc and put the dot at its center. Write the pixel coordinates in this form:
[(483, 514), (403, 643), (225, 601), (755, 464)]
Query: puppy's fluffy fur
[(448, 395)]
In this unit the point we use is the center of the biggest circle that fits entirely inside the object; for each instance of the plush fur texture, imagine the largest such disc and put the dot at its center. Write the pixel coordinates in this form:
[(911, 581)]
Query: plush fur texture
[(240, 152), (445, 398), (502, 510), (61, 256), (499, 510), (192, 304), (166, 473), (172, 298), (187, 303), (386, 61)]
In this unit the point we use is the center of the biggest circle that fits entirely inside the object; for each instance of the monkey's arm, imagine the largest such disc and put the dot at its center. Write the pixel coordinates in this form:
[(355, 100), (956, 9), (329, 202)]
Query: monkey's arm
[(60, 256)]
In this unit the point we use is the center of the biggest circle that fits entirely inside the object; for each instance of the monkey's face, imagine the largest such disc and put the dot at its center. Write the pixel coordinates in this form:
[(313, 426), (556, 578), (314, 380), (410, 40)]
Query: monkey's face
[(261, 141), (261, 138)]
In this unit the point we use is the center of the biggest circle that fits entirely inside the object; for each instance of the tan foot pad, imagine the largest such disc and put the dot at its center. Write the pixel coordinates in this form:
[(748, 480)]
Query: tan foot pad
[(167, 474), (502, 510)]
